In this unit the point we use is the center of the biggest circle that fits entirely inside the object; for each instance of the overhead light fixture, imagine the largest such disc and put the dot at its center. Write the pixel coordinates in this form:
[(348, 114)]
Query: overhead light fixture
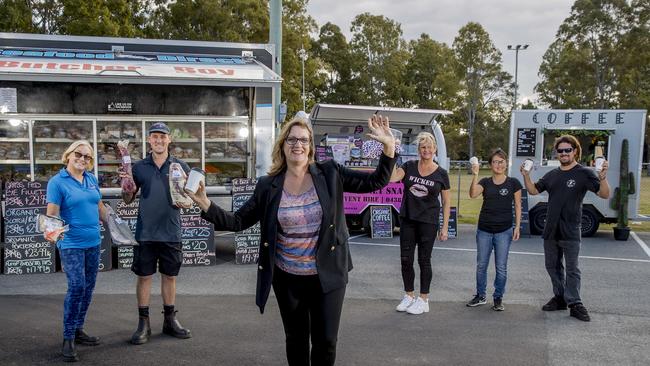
[(243, 132), (15, 122)]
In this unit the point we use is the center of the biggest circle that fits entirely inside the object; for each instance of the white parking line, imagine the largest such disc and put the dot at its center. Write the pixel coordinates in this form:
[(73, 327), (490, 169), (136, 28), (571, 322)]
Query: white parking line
[(641, 243), (512, 252)]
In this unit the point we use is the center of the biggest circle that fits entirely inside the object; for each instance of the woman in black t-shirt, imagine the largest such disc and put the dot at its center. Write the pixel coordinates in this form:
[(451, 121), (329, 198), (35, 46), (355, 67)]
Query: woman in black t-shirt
[(424, 180), (495, 229)]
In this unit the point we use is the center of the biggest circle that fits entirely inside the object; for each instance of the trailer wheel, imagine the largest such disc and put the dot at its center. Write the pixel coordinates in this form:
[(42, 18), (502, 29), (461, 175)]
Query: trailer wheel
[(537, 219), (590, 222)]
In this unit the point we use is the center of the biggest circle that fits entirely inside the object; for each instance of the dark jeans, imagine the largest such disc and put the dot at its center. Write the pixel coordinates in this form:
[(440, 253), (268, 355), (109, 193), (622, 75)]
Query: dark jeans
[(420, 234), (80, 266), (568, 288), (306, 311)]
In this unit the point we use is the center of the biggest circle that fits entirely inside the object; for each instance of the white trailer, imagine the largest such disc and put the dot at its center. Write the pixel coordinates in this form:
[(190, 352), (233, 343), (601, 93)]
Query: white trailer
[(600, 132)]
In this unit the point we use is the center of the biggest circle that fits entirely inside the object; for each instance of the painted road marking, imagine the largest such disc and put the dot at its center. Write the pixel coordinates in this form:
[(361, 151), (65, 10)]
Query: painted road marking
[(512, 252), (641, 243)]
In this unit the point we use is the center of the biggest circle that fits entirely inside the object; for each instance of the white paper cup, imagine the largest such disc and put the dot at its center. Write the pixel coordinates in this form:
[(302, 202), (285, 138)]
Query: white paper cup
[(599, 163), (473, 160), (528, 165), (196, 176)]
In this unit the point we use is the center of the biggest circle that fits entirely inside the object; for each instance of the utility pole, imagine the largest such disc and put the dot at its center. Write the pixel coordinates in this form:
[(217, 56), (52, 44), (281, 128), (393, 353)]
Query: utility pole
[(516, 48)]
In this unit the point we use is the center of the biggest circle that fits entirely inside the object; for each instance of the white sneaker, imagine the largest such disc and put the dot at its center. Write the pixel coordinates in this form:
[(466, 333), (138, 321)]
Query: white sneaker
[(419, 306), (406, 302)]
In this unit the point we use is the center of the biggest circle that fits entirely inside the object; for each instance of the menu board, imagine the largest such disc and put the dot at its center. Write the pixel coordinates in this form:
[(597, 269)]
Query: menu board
[(26, 250), (197, 236), (128, 213), (246, 242), (381, 222), (105, 254), (452, 228), (526, 141)]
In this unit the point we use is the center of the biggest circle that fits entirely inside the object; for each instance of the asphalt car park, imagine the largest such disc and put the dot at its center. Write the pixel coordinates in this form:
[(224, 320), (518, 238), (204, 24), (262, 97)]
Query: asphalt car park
[(217, 303)]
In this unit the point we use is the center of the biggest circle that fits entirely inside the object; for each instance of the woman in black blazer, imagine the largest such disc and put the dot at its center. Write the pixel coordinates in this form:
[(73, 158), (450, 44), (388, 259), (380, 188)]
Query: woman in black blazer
[(304, 253)]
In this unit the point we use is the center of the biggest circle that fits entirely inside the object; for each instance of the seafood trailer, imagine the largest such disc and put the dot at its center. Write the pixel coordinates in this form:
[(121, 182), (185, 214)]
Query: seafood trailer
[(339, 132), (217, 99)]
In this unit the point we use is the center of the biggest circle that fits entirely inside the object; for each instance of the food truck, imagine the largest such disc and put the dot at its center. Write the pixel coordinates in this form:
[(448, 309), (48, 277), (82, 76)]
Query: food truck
[(217, 99), (601, 134), (339, 132)]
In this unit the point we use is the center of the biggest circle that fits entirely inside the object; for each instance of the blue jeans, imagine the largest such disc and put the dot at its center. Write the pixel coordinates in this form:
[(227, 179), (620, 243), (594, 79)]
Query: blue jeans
[(81, 266), (485, 243)]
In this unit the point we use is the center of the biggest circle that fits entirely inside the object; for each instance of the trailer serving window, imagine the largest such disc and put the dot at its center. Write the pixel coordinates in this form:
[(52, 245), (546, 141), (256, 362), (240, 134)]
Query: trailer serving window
[(594, 143)]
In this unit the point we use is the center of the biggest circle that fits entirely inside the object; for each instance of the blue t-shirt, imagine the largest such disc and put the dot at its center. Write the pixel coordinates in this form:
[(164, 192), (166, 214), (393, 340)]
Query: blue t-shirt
[(79, 208)]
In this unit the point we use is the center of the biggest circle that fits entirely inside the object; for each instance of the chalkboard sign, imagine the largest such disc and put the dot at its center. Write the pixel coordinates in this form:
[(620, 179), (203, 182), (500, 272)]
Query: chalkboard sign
[(197, 236), (452, 228), (246, 242), (128, 213), (381, 222), (526, 141), (26, 250)]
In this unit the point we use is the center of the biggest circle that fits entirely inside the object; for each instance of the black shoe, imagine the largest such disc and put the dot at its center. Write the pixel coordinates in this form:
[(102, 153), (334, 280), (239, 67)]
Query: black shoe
[(498, 304), (81, 337), (556, 303), (141, 335), (579, 311), (476, 301), (68, 351), (172, 327)]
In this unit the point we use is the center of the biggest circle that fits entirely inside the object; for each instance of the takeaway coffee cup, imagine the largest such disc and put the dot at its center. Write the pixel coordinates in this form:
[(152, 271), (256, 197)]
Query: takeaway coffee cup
[(473, 160), (528, 165), (196, 176), (599, 163)]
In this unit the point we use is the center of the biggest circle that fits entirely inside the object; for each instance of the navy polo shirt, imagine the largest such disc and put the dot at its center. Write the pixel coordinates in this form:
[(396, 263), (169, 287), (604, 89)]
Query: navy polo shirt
[(158, 218), (78, 206)]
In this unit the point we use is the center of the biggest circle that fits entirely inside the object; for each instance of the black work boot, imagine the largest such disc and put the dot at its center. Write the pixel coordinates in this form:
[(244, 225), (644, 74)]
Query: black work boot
[(172, 327), (556, 303), (82, 337), (141, 335), (68, 351)]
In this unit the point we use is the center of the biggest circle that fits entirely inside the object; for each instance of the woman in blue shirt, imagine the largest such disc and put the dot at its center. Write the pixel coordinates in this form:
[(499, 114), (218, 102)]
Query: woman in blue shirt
[(73, 194)]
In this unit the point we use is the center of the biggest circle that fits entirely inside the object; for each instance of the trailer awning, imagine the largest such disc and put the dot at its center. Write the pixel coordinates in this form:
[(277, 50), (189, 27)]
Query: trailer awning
[(132, 68), (351, 114)]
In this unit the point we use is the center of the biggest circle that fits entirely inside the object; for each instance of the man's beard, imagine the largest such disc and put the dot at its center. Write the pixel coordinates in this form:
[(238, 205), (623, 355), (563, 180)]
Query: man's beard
[(569, 162)]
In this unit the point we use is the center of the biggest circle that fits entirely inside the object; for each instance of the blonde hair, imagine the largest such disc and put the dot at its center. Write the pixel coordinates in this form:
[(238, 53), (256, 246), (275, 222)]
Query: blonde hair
[(89, 164), (279, 161), (424, 137)]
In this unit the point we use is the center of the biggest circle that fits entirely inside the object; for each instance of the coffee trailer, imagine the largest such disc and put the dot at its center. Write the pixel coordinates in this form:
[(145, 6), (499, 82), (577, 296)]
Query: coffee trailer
[(217, 99), (601, 133)]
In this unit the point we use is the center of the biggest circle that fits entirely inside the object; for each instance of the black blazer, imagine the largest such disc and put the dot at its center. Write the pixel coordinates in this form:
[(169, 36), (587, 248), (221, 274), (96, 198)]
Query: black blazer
[(332, 254)]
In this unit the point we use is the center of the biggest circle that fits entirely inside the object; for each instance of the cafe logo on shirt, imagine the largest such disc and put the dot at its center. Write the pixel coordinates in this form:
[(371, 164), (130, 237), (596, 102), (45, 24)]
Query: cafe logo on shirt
[(571, 183), (503, 191)]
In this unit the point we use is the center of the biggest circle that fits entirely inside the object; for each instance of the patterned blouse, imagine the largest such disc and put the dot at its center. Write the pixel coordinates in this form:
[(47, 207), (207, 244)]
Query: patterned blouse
[(300, 218)]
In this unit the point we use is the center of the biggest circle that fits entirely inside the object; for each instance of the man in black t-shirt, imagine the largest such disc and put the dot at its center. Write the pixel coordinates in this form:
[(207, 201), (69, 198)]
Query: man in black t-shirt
[(566, 187)]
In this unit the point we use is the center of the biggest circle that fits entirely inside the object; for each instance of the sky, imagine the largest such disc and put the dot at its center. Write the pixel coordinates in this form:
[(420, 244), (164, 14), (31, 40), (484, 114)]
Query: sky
[(508, 22)]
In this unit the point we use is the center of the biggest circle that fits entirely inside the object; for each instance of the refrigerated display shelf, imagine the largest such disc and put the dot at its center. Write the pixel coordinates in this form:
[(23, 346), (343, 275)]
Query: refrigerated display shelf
[(14, 139), (13, 162)]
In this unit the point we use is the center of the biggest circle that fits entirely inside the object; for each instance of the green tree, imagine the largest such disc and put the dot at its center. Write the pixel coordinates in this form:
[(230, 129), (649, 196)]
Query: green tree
[(116, 18), (485, 87), (430, 71), (379, 60), (579, 69), (16, 16)]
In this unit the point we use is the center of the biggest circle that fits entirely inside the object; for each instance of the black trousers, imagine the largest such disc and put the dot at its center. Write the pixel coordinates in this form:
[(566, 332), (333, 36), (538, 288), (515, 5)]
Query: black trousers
[(422, 235), (306, 311)]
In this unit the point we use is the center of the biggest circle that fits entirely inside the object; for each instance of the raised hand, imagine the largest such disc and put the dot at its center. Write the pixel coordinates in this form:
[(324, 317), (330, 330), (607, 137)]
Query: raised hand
[(380, 131)]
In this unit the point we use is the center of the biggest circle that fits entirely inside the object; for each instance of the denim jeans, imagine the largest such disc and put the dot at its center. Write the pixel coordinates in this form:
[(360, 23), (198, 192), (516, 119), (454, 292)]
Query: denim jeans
[(81, 266), (485, 243)]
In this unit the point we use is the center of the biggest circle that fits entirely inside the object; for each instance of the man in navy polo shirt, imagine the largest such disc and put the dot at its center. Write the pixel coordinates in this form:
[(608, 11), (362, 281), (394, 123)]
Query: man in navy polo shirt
[(158, 231)]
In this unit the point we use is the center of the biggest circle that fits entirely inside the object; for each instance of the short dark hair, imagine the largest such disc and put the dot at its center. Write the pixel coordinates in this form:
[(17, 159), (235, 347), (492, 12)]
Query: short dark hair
[(497, 152), (568, 139)]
